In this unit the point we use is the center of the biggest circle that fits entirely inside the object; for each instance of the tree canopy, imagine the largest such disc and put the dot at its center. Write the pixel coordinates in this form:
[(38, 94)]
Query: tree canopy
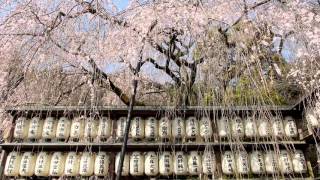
[(208, 52)]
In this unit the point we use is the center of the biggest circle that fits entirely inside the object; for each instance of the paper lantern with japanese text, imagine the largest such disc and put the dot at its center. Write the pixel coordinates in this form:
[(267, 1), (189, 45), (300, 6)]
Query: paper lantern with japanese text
[(86, 164), (49, 128), (90, 128), (21, 128), (242, 162), (35, 128), (208, 162), (237, 128), (121, 126), (151, 164), (12, 164), (104, 129), (151, 128), (264, 128), (194, 163), (299, 162), (228, 163), (250, 128), (137, 128), (136, 164), (42, 164), (271, 162), (72, 164), (165, 128), (277, 127), (312, 119), (192, 128), (257, 162), (101, 164), (63, 128), (27, 165), (180, 163), (223, 127), (77, 128), (290, 127), (285, 162), (178, 128), (206, 131), (165, 164), (57, 164)]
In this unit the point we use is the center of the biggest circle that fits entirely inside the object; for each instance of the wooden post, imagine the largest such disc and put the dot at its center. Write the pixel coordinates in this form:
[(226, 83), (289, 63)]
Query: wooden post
[(126, 133)]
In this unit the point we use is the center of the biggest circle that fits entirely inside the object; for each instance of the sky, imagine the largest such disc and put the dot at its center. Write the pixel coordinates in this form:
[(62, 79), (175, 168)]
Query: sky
[(122, 4)]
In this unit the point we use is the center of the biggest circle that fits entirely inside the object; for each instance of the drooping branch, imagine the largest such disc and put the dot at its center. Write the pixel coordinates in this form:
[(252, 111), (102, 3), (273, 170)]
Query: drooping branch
[(97, 73)]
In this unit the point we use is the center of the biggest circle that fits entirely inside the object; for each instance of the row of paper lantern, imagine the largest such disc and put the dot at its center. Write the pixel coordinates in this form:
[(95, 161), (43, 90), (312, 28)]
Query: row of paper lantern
[(263, 128), (81, 128), (57, 164), (150, 164)]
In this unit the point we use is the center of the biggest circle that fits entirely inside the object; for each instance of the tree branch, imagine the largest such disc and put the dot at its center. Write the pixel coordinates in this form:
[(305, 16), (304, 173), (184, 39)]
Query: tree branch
[(167, 70)]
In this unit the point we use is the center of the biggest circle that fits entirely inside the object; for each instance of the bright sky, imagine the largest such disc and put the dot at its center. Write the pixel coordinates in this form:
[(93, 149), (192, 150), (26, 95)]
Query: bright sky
[(121, 4)]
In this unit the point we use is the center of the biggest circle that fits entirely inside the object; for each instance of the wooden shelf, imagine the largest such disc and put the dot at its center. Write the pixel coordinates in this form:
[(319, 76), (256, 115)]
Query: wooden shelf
[(145, 146), (141, 110)]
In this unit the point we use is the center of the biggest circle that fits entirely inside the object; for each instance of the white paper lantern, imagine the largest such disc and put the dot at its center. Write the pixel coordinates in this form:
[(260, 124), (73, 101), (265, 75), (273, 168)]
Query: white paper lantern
[(125, 166), (12, 164), (151, 165), (223, 127), (42, 164), (63, 128), (299, 162), (278, 128), (151, 128), (90, 129), (250, 128), (285, 162), (137, 128), (165, 128), (165, 164), (192, 128), (121, 127), (237, 128), (136, 164), (194, 163), (72, 164), (243, 166), (57, 164), (178, 128), (264, 128), (101, 165), (228, 163), (257, 162), (105, 126), (77, 128), (208, 162), (312, 119), (86, 164), (49, 128), (35, 128), (271, 162), (290, 127), (206, 131), (27, 165), (21, 128), (180, 165)]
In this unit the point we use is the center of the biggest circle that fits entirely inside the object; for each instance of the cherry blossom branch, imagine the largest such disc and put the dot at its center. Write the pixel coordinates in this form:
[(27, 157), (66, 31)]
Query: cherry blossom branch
[(97, 73), (165, 69)]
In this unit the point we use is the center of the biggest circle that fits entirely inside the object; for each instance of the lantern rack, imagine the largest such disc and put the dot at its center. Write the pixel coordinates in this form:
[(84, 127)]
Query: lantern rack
[(296, 111)]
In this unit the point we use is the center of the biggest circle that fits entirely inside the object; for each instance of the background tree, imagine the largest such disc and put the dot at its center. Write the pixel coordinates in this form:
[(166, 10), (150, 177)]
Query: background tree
[(190, 52)]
